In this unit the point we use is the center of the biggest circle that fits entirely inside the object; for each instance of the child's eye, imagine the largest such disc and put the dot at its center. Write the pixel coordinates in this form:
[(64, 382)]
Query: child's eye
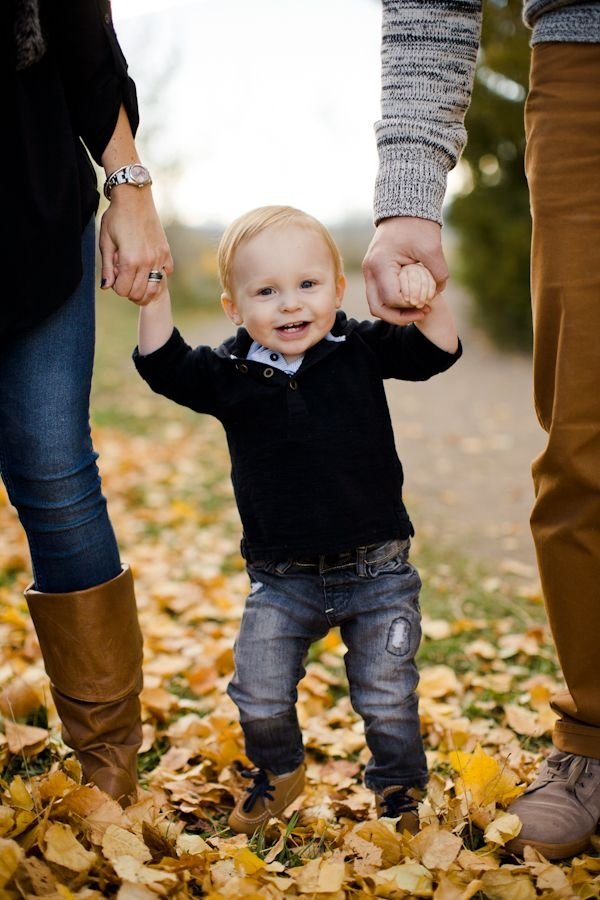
[(265, 292), (307, 283)]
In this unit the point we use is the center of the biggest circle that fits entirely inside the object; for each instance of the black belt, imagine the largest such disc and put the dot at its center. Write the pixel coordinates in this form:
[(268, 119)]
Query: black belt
[(348, 559)]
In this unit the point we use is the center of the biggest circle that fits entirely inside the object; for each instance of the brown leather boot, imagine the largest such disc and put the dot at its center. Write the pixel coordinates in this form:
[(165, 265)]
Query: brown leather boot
[(92, 648), (267, 797)]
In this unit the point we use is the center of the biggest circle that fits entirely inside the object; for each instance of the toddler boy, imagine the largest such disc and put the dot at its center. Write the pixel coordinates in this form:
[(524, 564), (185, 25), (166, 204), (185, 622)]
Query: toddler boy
[(318, 484)]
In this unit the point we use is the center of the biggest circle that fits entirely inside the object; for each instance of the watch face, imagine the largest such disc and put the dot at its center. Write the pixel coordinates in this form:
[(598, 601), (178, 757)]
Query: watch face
[(139, 174)]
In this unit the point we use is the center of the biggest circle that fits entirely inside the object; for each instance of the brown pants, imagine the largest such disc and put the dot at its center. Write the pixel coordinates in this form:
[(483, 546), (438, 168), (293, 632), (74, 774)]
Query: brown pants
[(563, 169)]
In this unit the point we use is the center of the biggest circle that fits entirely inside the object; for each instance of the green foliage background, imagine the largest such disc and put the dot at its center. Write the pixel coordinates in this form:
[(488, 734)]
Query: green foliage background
[(491, 218)]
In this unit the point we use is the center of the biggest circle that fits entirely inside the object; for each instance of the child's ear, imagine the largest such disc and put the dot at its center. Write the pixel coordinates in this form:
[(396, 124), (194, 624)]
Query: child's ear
[(230, 309), (340, 287)]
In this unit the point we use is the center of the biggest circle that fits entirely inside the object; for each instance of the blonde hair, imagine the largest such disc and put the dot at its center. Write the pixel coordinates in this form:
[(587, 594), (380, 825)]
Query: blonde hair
[(252, 223)]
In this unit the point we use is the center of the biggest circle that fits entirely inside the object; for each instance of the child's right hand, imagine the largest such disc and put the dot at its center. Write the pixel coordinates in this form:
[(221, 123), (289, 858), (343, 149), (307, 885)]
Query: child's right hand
[(416, 285)]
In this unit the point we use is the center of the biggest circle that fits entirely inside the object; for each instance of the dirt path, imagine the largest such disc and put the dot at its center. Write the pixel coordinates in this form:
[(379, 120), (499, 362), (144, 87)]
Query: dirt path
[(466, 440)]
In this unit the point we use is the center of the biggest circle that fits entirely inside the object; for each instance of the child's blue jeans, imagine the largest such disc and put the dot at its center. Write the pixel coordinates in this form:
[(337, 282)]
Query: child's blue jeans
[(373, 595)]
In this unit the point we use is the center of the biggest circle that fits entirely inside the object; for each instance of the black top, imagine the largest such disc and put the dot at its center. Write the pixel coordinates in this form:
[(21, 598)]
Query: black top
[(314, 466), (49, 185)]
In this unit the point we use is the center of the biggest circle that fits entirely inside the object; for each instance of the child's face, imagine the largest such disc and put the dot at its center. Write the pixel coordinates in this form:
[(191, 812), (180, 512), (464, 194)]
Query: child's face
[(284, 289)]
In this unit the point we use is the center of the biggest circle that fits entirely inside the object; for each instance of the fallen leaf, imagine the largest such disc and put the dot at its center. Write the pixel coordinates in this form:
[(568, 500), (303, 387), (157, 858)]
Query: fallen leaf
[(411, 877), (438, 681), (436, 848), (18, 699), (504, 827), (10, 857), (482, 778), (119, 842), (320, 876), (62, 847), (506, 885)]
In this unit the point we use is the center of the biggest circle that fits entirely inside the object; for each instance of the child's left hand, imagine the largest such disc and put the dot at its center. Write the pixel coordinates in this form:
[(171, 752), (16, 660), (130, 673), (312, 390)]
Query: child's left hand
[(417, 285)]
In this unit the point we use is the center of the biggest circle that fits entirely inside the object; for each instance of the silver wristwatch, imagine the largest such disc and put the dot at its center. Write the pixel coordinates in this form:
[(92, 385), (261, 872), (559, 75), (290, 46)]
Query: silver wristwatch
[(135, 174)]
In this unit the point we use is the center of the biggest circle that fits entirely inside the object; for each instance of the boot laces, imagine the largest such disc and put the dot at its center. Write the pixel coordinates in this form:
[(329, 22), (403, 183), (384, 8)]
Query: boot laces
[(397, 802), (261, 787), (573, 766)]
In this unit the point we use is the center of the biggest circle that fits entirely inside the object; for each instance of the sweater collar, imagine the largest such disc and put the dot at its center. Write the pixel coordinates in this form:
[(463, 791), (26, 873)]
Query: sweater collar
[(239, 345)]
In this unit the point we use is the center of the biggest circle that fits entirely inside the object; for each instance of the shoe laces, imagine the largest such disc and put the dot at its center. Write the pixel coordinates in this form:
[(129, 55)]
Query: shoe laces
[(397, 802), (571, 765), (261, 787)]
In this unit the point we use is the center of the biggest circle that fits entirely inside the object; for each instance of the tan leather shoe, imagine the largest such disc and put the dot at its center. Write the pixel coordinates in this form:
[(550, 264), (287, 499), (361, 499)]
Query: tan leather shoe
[(92, 648), (561, 809), (398, 802), (267, 796)]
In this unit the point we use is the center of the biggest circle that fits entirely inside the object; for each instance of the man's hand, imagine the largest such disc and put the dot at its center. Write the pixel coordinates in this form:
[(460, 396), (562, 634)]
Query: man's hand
[(132, 243), (396, 243)]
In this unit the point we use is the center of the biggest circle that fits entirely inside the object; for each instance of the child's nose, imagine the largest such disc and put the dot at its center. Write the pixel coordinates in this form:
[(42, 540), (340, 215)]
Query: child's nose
[(291, 300)]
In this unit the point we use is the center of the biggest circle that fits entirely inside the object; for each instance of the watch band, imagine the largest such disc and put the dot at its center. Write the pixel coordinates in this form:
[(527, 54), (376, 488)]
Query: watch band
[(134, 173)]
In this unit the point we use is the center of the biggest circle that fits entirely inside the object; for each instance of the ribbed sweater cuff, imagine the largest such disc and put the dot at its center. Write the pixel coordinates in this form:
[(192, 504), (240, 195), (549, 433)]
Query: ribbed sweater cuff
[(415, 188)]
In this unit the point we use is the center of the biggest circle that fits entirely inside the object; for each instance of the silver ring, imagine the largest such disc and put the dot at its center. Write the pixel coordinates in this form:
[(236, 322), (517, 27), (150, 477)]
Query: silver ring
[(155, 275)]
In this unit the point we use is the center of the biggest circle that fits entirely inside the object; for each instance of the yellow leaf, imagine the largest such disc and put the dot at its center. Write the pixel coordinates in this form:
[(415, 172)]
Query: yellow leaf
[(551, 878), (23, 820), (56, 785), (477, 861), (453, 887), (383, 836), (503, 884), (364, 850), (62, 847), (411, 877), (320, 876), (436, 848), (25, 739), (18, 699), (436, 629), (130, 869), (7, 819), (129, 891), (248, 862), (482, 779), (119, 842), (523, 720), (10, 857), (438, 681), (504, 827), (192, 844), (19, 793)]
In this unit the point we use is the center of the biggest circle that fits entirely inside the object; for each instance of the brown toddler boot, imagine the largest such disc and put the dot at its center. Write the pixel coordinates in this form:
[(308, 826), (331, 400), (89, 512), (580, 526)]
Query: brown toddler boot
[(92, 648), (398, 802), (559, 812), (265, 798)]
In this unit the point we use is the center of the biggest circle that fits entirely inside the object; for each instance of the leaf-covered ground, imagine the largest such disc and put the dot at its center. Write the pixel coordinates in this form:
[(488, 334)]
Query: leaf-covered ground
[(487, 670)]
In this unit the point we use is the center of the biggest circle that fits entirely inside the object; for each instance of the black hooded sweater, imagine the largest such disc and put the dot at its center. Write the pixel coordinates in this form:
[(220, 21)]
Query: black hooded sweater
[(314, 466)]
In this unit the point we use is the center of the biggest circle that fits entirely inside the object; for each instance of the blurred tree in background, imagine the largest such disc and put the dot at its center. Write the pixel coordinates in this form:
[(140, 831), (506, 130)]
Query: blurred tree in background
[(491, 212)]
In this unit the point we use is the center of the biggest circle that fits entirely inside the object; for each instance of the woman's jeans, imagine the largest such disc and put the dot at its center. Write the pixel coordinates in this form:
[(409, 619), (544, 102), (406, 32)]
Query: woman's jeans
[(373, 595), (47, 460)]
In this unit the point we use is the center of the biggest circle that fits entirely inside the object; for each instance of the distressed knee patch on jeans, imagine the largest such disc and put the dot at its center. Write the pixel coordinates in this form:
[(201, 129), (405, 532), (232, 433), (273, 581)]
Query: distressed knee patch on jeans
[(398, 641)]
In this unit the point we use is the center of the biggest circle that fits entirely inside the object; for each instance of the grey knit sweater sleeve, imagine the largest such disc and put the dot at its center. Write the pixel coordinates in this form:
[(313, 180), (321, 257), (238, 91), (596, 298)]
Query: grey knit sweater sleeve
[(428, 54)]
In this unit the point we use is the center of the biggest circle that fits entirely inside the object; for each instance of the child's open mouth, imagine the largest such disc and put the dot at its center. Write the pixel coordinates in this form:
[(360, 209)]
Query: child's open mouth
[(292, 328)]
